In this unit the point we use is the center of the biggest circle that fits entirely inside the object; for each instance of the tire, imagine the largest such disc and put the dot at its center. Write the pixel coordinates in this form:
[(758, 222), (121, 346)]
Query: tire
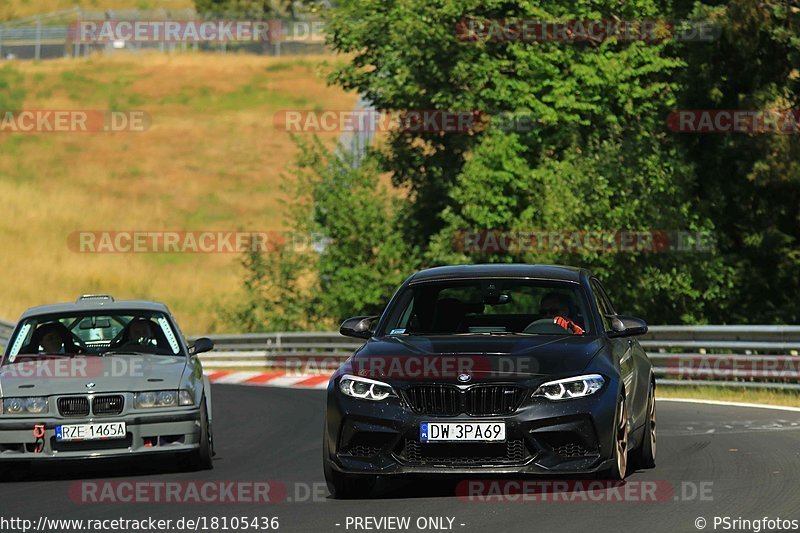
[(202, 458), (345, 486), (645, 455), (620, 468)]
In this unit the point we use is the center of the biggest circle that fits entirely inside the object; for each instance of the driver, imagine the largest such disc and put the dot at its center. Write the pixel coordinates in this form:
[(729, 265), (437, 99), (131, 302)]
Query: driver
[(140, 331), (53, 338), (556, 306), (51, 342)]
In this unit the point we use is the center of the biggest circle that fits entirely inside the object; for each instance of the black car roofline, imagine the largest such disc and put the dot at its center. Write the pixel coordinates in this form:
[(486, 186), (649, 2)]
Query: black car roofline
[(470, 278)]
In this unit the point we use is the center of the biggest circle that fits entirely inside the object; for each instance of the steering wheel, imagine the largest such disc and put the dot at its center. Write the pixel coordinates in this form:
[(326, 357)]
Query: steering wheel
[(545, 326)]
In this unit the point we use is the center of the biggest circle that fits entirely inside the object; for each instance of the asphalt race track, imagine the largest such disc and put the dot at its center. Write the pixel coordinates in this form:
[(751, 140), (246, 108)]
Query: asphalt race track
[(712, 461)]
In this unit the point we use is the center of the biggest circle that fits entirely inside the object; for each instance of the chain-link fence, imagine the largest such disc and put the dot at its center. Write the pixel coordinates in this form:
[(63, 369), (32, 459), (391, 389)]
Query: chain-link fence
[(62, 34)]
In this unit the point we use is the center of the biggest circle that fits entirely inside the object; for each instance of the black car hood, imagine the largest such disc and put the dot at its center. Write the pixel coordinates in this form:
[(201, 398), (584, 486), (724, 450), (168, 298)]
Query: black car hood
[(482, 356)]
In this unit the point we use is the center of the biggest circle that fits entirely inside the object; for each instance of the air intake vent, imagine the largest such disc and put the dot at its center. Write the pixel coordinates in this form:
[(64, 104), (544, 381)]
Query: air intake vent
[(479, 400), (73, 406), (108, 405)]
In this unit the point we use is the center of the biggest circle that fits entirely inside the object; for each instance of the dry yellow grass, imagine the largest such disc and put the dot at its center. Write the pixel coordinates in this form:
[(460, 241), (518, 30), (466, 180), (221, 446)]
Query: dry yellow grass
[(758, 396), (211, 160), (14, 9)]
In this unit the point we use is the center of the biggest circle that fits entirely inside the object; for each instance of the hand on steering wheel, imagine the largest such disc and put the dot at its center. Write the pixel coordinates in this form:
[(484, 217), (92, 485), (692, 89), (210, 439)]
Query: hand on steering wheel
[(568, 325)]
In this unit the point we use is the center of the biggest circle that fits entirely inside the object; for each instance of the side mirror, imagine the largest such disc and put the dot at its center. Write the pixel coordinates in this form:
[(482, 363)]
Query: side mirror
[(201, 345), (359, 327), (627, 326)]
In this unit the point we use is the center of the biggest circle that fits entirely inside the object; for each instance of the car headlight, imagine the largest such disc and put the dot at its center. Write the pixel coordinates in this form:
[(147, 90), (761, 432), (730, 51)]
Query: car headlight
[(162, 398), (565, 389), (24, 406), (185, 398), (365, 389)]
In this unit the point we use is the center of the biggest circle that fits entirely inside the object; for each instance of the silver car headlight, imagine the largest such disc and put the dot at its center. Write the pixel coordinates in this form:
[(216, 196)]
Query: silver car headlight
[(162, 398), (565, 389), (364, 388), (24, 406)]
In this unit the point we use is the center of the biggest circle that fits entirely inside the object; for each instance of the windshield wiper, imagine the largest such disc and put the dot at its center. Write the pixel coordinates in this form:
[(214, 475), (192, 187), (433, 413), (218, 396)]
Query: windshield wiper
[(123, 352)]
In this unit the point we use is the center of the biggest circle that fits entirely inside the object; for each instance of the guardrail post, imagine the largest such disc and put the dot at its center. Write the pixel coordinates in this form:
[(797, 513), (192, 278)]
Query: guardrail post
[(38, 53), (76, 45)]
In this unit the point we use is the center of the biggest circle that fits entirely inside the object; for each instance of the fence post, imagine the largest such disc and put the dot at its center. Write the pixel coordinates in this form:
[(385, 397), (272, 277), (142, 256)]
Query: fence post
[(38, 53), (1, 42), (76, 45)]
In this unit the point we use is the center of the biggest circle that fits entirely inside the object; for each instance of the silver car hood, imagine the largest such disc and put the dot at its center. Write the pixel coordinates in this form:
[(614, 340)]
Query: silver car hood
[(81, 374)]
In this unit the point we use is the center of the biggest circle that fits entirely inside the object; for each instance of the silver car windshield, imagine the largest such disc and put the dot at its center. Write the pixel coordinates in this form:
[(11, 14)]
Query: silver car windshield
[(94, 334)]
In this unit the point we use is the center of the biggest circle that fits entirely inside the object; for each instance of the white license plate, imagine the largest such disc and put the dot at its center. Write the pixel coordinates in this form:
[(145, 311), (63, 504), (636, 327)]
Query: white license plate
[(110, 430), (462, 432)]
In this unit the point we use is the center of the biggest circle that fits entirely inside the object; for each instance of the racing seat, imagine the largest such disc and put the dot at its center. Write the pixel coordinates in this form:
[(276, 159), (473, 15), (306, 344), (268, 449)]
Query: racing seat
[(67, 341), (449, 315), (157, 335)]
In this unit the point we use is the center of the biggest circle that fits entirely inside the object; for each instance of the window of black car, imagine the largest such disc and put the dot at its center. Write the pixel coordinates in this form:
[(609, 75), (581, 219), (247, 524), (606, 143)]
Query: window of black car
[(487, 306), (603, 305), (607, 300), (93, 334)]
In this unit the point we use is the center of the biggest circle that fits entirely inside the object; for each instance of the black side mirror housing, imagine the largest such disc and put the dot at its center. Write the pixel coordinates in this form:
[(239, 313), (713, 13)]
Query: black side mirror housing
[(627, 326), (359, 327), (201, 345)]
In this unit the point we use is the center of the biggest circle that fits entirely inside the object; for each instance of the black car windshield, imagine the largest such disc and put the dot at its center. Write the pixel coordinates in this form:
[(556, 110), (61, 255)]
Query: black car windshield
[(97, 333), (489, 306)]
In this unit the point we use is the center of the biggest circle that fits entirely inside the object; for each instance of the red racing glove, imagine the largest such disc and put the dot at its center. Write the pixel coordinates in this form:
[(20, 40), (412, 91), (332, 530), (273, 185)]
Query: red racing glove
[(568, 325)]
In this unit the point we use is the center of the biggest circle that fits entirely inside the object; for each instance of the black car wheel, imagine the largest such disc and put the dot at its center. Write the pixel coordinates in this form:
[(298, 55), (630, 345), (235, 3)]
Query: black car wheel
[(620, 468), (645, 454)]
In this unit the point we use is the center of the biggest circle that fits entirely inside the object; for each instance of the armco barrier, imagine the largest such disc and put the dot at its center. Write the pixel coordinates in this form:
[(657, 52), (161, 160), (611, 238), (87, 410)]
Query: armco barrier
[(731, 356)]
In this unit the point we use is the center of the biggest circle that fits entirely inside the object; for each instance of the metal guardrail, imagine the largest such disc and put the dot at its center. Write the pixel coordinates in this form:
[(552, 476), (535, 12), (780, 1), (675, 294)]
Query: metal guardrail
[(728, 356), (52, 35), (293, 352)]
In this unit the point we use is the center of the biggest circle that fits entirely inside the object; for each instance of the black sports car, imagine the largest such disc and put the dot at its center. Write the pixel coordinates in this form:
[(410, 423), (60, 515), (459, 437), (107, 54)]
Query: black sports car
[(491, 369)]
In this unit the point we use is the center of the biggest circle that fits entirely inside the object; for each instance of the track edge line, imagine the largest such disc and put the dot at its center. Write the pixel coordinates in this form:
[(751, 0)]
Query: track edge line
[(731, 404)]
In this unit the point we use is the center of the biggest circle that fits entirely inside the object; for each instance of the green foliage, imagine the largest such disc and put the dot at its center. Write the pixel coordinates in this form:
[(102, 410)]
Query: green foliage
[(750, 182), (346, 208), (12, 95), (597, 155), (275, 297)]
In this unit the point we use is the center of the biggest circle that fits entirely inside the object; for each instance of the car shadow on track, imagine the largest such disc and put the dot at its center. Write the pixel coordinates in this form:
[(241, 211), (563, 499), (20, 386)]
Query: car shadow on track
[(563, 488), (100, 468)]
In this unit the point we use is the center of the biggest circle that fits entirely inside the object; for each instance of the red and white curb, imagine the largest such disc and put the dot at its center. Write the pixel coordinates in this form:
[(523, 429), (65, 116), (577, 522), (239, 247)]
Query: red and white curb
[(269, 379)]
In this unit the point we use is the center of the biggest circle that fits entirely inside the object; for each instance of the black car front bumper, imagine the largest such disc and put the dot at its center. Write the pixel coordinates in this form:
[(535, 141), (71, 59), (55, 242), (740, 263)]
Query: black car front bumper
[(542, 437)]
